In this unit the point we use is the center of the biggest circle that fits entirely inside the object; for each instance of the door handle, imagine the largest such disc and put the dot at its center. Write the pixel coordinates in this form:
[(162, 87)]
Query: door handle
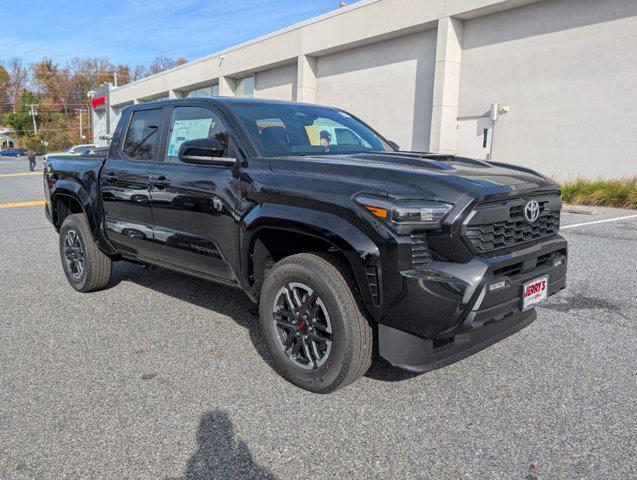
[(160, 182), (109, 178)]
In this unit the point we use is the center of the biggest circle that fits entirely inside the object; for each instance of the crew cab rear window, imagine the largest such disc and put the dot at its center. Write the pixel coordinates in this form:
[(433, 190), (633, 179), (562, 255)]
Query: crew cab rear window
[(141, 137)]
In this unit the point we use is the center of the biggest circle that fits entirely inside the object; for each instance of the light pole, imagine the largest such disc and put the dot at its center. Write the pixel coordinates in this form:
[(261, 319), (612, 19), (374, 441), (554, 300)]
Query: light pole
[(33, 113), (81, 112)]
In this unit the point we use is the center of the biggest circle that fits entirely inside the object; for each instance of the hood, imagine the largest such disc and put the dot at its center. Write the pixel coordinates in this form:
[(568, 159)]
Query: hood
[(411, 174)]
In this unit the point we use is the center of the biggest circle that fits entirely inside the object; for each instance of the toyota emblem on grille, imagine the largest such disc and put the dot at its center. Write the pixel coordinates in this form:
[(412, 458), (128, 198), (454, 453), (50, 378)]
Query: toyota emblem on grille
[(531, 211)]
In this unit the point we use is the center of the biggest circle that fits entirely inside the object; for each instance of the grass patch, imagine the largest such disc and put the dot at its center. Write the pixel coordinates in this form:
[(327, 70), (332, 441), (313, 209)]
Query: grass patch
[(620, 193)]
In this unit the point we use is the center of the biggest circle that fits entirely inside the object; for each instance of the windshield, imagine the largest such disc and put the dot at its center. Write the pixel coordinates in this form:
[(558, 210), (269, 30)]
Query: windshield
[(306, 130), (81, 149)]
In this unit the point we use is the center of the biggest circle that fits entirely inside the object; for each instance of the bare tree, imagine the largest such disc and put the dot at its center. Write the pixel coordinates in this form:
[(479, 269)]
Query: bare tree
[(123, 74), (5, 87), (44, 77), (85, 74), (164, 63), (18, 77)]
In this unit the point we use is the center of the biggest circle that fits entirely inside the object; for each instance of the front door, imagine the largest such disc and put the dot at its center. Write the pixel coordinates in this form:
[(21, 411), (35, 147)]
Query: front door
[(124, 185), (195, 206)]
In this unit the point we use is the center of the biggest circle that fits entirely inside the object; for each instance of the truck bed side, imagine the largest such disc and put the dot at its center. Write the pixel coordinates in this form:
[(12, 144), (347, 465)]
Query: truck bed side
[(71, 185)]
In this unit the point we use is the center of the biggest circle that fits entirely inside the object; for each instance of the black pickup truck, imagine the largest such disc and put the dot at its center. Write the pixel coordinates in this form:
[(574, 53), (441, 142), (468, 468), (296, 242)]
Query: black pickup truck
[(346, 243)]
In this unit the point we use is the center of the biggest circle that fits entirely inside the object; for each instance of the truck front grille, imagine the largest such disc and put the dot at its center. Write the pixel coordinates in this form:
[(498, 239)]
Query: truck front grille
[(493, 236), (502, 225), (526, 266)]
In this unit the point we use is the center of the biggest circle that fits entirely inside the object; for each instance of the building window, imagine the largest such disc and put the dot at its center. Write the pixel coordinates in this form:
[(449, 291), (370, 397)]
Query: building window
[(141, 100), (245, 87), (208, 91)]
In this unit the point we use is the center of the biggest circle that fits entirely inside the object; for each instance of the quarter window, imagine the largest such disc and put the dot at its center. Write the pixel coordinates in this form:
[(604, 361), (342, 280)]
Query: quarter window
[(141, 138)]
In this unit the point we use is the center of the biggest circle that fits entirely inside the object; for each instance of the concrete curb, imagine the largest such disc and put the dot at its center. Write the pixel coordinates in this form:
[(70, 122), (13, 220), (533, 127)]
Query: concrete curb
[(567, 208)]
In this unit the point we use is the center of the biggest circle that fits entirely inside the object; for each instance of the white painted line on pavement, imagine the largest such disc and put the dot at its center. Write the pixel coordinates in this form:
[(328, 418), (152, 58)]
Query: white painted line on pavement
[(599, 221)]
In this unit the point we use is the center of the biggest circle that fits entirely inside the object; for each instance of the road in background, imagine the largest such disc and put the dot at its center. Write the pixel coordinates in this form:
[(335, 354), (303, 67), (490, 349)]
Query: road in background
[(166, 376)]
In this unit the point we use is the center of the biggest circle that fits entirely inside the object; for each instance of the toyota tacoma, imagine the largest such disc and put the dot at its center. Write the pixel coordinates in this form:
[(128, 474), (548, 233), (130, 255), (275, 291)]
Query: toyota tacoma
[(348, 245)]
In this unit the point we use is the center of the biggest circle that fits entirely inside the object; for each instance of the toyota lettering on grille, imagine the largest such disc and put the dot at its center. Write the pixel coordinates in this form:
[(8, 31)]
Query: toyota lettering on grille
[(531, 211)]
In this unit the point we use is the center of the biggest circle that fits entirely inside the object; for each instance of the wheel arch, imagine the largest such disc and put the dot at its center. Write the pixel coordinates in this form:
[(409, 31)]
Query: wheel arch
[(70, 197), (284, 230)]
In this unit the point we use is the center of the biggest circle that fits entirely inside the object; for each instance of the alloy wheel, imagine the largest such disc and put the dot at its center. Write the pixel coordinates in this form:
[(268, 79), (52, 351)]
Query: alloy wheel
[(74, 254), (302, 325)]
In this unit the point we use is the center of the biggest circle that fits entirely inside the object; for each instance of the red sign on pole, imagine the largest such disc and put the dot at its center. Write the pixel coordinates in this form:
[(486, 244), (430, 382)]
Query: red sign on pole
[(98, 102)]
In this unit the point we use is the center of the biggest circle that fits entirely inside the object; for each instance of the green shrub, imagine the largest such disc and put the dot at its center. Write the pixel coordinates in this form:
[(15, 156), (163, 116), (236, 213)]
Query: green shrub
[(621, 193)]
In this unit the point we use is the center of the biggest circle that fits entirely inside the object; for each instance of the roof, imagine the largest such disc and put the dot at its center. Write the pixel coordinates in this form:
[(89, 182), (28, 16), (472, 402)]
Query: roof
[(226, 100)]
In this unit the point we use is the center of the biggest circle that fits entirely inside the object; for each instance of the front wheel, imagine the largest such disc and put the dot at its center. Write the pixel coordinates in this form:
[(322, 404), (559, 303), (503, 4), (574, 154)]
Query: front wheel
[(86, 268), (312, 323)]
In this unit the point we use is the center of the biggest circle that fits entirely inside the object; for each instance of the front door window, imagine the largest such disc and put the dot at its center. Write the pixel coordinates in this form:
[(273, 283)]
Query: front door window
[(193, 123)]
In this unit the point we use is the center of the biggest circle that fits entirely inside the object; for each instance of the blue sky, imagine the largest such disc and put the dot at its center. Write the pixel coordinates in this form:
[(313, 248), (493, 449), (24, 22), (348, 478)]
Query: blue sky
[(136, 31)]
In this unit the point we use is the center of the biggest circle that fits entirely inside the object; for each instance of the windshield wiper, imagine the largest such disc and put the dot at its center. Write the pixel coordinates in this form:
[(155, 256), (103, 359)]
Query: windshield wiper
[(291, 154)]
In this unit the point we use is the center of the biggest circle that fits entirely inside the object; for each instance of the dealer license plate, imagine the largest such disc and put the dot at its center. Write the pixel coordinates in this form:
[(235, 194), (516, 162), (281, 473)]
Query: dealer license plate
[(535, 292)]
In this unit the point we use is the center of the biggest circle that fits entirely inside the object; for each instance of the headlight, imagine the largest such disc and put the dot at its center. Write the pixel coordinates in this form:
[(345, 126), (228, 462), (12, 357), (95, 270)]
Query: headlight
[(406, 216)]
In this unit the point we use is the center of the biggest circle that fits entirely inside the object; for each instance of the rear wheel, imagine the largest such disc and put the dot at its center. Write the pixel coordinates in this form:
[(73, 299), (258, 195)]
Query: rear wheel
[(86, 268), (312, 323)]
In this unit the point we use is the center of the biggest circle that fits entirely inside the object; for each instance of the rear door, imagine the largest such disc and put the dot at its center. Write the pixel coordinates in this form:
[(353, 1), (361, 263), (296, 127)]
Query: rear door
[(125, 183), (196, 207)]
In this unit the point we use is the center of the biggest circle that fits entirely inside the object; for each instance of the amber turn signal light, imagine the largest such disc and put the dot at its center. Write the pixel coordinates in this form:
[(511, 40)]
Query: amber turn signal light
[(377, 211)]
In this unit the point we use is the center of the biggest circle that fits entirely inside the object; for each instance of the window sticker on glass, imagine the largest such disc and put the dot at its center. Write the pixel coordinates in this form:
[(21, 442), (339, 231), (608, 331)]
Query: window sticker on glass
[(184, 130)]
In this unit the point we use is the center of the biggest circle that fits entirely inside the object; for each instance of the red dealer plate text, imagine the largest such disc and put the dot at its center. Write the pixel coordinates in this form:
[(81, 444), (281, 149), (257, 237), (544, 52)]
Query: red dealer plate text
[(535, 292)]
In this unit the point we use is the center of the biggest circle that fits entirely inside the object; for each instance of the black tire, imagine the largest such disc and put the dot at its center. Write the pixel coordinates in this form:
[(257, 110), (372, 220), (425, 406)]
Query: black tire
[(349, 355), (96, 267)]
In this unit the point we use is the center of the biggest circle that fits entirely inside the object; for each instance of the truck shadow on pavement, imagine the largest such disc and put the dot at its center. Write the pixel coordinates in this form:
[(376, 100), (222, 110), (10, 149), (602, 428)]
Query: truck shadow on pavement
[(219, 454), (229, 302)]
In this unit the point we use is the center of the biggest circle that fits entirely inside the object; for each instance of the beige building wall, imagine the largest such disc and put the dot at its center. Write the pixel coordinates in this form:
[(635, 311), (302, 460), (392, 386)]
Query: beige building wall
[(425, 72), (568, 71), (278, 83), (387, 84)]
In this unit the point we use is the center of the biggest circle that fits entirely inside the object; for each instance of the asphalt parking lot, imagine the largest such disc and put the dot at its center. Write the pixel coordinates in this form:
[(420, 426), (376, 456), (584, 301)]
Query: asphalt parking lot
[(165, 376)]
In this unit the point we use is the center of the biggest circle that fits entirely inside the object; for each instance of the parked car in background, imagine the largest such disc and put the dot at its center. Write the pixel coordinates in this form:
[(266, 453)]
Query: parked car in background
[(98, 151), (13, 152), (80, 149), (83, 149)]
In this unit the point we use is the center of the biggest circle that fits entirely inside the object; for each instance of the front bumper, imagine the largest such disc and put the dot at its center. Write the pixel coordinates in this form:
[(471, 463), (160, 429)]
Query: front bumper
[(449, 311)]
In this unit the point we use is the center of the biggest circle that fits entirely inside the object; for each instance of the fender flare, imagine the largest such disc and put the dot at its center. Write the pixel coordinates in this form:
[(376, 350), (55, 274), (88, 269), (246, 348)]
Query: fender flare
[(357, 247), (69, 187)]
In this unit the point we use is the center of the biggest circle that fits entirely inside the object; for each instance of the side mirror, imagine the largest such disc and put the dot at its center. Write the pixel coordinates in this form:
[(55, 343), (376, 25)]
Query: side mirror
[(393, 145), (204, 151)]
